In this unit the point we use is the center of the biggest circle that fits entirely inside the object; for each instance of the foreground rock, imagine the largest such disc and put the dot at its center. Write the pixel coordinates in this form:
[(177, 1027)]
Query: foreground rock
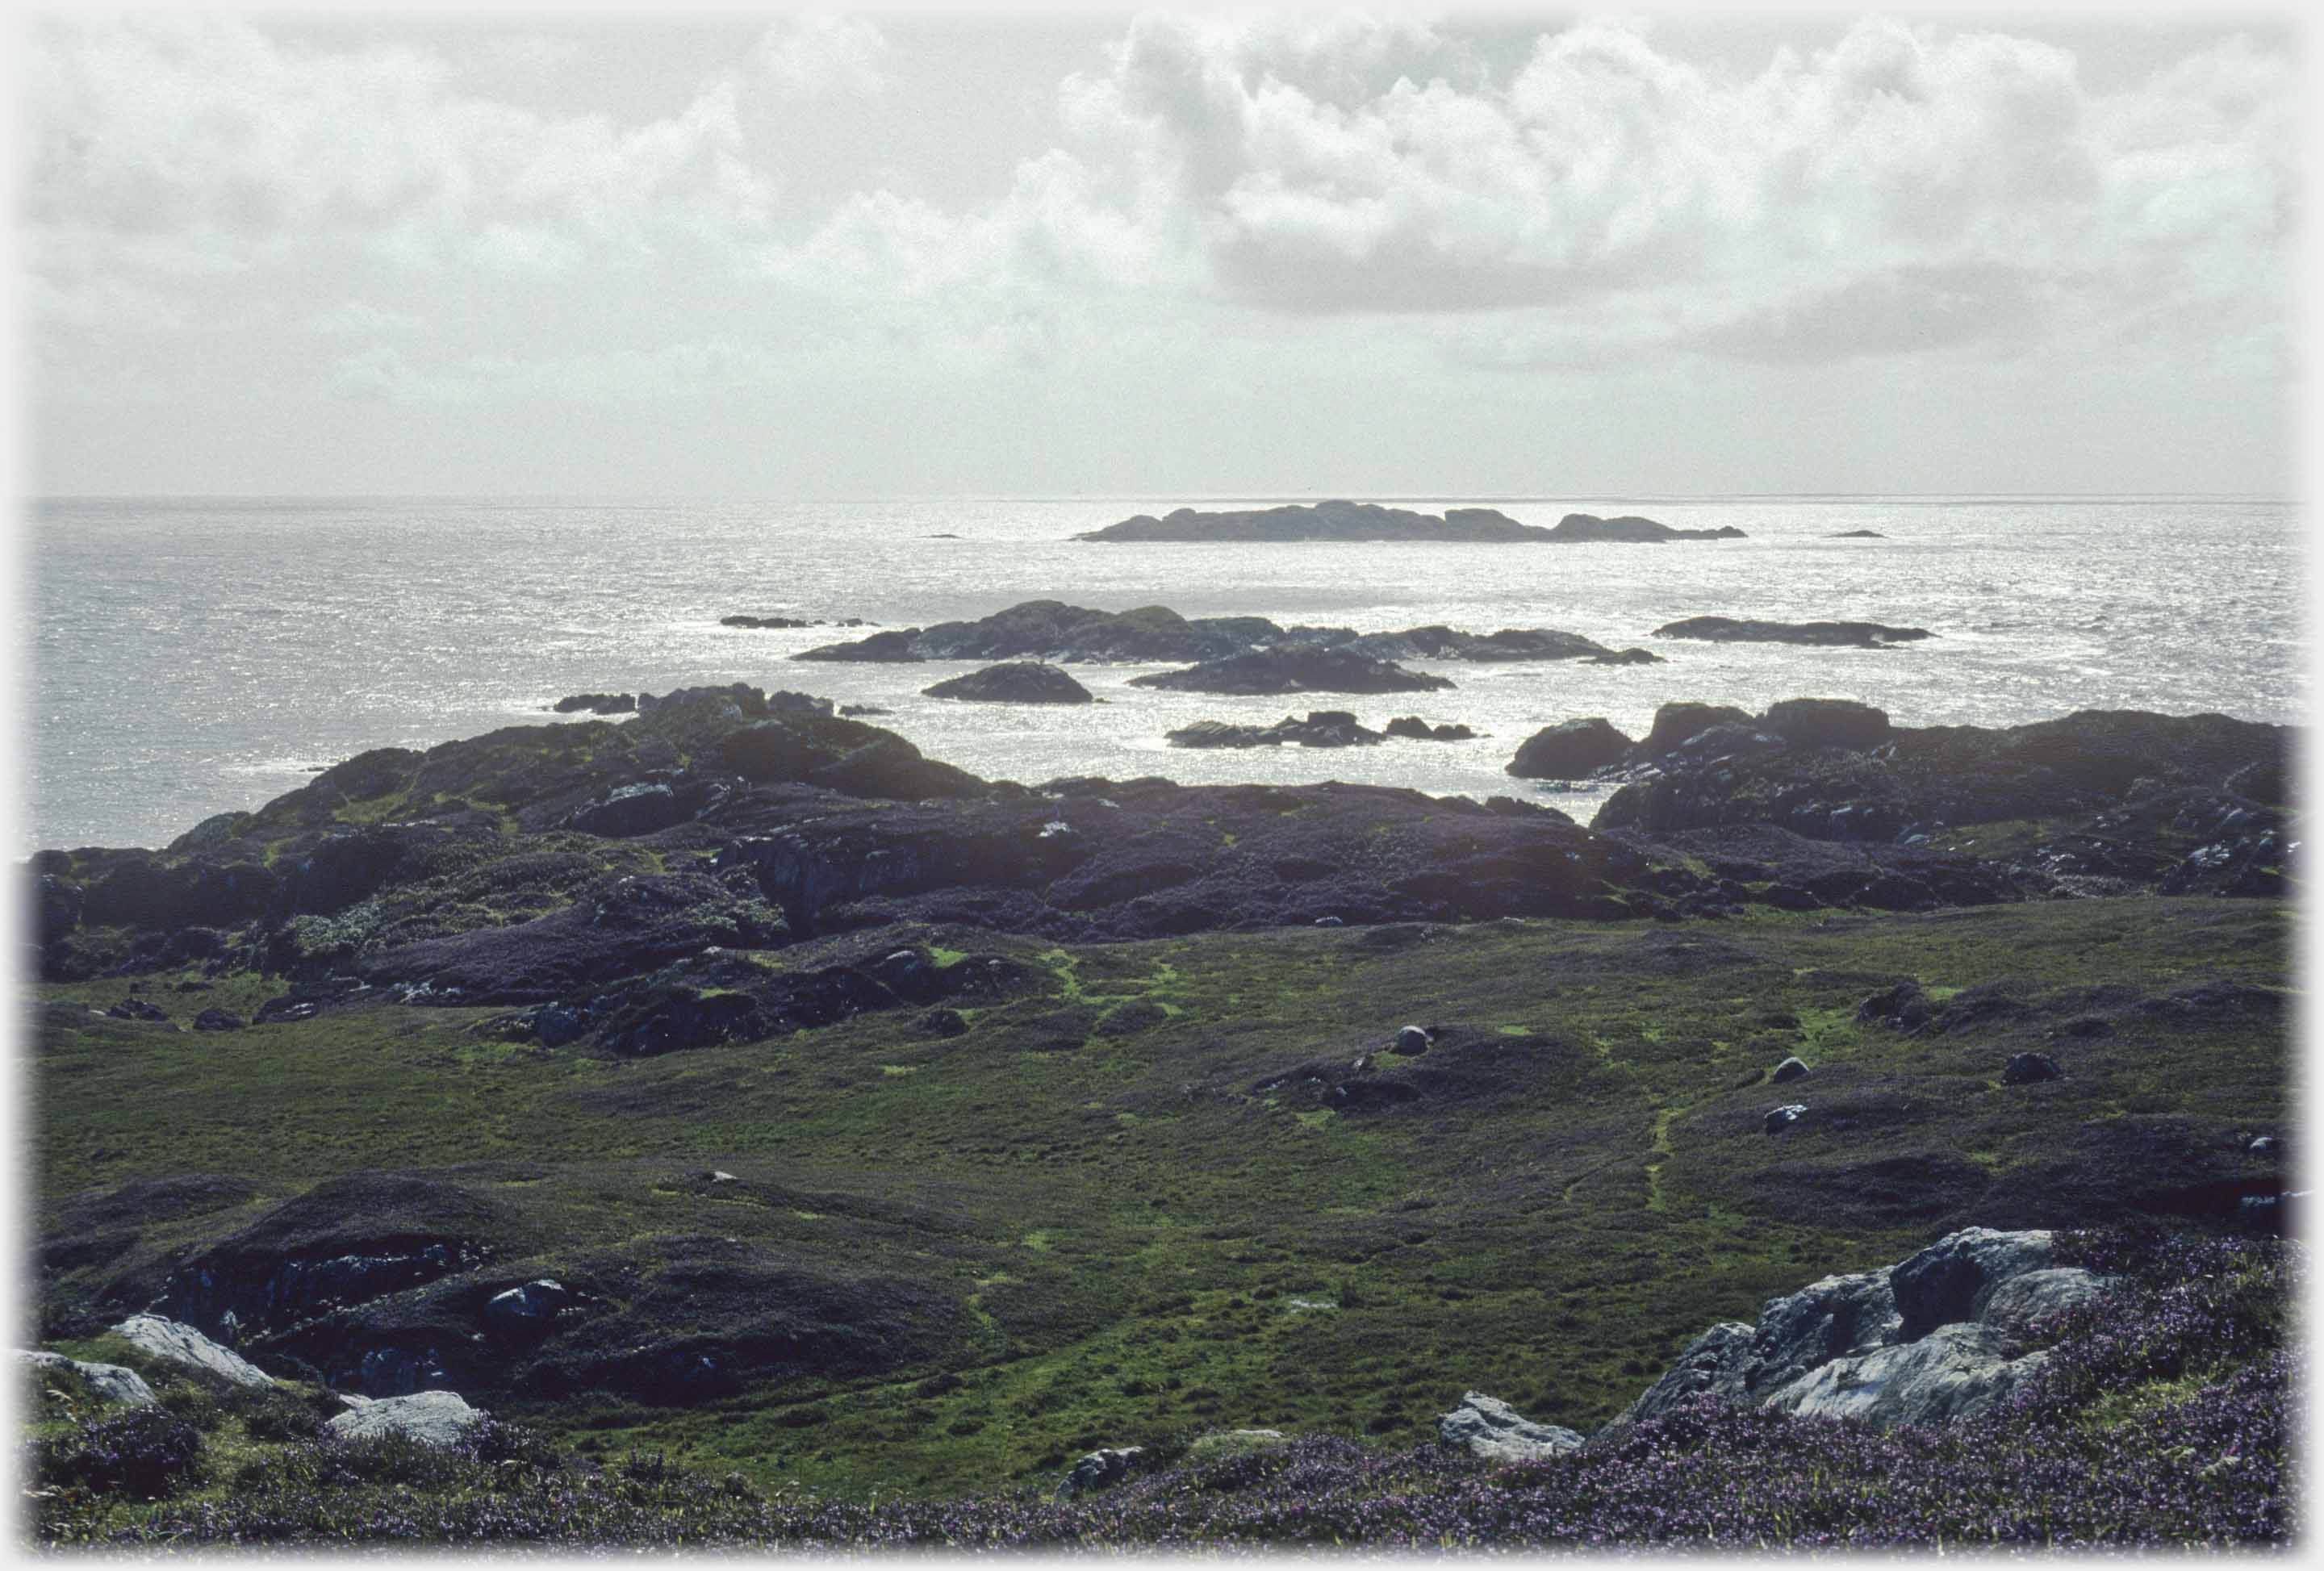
[(436, 1418), (1017, 682), (1052, 631), (110, 1381), (1364, 521), (1298, 668), (598, 704), (1939, 1337), (1100, 1469), (1491, 1430), (1851, 635), (175, 1343)]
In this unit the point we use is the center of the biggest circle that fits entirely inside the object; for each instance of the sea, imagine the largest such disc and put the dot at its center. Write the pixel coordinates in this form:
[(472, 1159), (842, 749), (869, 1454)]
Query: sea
[(191, 655)]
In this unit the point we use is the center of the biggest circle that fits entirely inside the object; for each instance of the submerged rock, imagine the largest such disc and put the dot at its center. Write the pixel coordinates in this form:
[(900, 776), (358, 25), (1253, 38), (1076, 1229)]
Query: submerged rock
[(598, 704)]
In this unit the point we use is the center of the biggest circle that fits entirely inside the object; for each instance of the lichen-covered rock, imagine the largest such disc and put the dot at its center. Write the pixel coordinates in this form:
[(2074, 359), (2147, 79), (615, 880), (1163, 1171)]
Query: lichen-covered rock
[(108, 1381), (1938, 1337), (173, 1343), (1491, 1429), (1100, 1468), (432, 1417)]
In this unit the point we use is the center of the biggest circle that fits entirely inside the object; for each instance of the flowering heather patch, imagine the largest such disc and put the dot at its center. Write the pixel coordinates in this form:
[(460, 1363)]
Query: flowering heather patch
[(2161, 1418)]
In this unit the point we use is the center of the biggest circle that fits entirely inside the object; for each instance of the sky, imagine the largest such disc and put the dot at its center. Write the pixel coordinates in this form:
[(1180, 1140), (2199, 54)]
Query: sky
[(1164, 254)]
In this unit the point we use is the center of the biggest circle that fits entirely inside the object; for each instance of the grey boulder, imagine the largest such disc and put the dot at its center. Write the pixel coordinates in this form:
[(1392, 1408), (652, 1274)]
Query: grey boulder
[(173, 1343), (1100, 1468), (109, 1381), (430, 1418), (1937, 1337), (1493, 1432)]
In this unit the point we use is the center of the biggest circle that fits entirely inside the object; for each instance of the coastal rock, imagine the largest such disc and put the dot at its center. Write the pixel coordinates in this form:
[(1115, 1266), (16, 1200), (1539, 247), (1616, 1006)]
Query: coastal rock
[(1321, 728), (175, 1343), (741, 620), (598, 704), (1851, 635), (1827, 723), (1632, 656), (1585, 527), (1856, 534), (1301, 668), (432, 1418), (110, 1381), (1569, 750), (1490, 1429), (1017, 683), (1414, 728), (1683, 720)]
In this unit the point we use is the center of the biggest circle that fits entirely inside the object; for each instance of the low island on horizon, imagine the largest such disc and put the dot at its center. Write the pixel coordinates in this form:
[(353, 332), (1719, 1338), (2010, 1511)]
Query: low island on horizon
[(1369, 521)]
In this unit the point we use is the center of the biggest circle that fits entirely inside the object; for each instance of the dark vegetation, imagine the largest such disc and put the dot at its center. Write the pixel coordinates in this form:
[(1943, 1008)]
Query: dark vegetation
[(2162, 1418), (887, 1128)]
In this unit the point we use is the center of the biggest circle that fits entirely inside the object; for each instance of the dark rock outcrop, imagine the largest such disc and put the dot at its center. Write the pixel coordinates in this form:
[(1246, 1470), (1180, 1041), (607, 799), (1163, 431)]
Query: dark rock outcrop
[(1052, 631), (1321, 728), (1730, 629), (598, 704), (1015, 682), (1364, 521), (1569, 750), (1296, 668), (1414, 728)]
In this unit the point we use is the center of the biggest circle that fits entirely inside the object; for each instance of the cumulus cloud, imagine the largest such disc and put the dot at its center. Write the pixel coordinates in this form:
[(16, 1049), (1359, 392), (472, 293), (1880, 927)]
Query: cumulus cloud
[(820, 53)]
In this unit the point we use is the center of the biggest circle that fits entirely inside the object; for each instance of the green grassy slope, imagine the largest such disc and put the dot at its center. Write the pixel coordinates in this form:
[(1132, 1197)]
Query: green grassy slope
[(1115, 1210)]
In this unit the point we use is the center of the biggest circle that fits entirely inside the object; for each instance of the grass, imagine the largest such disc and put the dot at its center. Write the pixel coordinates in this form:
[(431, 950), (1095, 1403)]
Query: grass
[(1579, 1185)]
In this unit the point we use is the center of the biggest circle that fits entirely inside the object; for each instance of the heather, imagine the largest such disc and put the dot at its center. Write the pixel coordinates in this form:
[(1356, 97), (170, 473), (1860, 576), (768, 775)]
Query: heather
[(2160, 1419)]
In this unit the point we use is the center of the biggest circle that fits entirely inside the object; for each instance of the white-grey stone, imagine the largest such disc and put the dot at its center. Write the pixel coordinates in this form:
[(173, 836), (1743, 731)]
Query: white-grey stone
[(432, 1417), (1789, 1069), (529, 1308), (108, 1381), (1955, 1371), (174, 1342), (1413, 1039), (1490, 1428), (1927, 1340), (1782, 1118), (1106, 1465)]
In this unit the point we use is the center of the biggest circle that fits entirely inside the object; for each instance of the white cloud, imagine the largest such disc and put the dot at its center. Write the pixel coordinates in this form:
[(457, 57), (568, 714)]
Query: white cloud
[(820, 53)]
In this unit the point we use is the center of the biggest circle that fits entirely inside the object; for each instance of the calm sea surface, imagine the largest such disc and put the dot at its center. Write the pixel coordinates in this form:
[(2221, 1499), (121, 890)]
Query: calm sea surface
[(192, 656)]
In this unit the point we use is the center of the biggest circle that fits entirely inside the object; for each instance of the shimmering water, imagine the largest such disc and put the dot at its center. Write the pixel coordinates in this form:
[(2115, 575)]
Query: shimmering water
[(190, 656)]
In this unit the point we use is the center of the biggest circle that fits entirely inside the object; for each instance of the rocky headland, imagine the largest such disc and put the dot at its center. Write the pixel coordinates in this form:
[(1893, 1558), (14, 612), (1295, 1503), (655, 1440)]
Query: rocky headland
[(737, 1065), (1364, 521)]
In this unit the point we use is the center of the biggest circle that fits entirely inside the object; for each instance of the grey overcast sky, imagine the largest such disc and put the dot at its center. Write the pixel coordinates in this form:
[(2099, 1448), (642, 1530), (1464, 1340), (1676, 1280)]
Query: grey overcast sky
[(1158, 254)]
